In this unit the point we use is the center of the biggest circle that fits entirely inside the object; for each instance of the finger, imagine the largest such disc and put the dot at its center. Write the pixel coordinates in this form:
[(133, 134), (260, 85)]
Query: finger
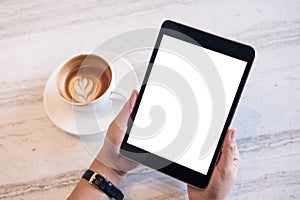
[(230, 154), (117, 128), (123, 116)]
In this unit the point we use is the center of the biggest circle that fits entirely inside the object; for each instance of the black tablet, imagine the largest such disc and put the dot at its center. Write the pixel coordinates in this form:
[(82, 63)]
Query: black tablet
[(190, 91)]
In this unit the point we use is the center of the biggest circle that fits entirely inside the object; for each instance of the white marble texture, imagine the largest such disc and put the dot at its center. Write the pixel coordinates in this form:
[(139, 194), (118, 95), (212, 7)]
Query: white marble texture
[(39, 161)]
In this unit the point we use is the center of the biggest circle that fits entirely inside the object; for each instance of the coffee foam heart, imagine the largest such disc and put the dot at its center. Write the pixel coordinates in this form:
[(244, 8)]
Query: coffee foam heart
[(83, 90)]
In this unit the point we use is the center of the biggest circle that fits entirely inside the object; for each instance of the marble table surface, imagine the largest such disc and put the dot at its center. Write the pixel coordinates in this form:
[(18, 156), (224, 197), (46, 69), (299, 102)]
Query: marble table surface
[(40, 161)]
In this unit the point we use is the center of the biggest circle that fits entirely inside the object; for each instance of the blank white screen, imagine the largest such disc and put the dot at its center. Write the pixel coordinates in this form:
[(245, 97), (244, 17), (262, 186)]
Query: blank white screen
[(172, 54)]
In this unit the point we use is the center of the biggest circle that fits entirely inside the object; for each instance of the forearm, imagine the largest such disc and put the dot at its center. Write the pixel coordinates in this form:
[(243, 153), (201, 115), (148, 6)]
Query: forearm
[(84, 190)]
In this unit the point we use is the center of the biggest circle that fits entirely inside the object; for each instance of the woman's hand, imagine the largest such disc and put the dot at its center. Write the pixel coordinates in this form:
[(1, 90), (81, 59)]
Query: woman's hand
[(109, 161), (224, 174)]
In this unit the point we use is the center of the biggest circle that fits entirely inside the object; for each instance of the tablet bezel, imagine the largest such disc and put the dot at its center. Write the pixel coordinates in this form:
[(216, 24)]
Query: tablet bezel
[(215, 43)]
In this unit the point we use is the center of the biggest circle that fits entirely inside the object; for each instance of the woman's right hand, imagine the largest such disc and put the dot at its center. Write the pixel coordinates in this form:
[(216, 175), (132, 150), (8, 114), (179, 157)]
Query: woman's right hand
[(224, 175)]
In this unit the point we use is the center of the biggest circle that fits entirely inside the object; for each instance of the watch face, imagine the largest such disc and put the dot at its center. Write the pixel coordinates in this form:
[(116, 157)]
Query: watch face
[(98, 180)]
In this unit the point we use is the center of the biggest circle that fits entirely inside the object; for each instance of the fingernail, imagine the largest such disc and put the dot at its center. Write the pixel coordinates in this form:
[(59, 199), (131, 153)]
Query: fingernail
[(131, 95), (132, 101), (233, 135)]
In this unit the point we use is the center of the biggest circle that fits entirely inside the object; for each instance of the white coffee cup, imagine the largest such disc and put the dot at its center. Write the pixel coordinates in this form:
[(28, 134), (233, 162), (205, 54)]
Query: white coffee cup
[(86, 82)]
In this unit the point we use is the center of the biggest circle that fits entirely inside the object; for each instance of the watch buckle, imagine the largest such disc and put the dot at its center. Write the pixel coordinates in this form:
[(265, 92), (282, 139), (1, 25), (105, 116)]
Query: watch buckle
[(93, 177)]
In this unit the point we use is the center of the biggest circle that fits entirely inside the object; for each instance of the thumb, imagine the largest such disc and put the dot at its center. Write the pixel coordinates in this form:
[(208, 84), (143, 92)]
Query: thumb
[(123, 116), (230, 154)]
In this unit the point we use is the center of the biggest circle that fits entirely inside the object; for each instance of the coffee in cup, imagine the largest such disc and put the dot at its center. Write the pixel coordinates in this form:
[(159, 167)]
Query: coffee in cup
[(83, 80)]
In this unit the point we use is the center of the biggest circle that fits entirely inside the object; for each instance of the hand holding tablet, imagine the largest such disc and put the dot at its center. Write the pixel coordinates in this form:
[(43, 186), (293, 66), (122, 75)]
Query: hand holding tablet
[(186, 103), (224, 175)]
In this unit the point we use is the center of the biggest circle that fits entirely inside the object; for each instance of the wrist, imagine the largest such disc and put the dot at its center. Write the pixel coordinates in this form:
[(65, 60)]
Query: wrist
[(208, 198), (205, 197), (212, 197), (206, 194), (109, 173)]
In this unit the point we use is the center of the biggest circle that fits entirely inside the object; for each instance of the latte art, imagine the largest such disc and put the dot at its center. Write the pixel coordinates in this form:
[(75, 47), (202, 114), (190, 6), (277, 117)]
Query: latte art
[(84, 90), (86, 85), (84, 79)]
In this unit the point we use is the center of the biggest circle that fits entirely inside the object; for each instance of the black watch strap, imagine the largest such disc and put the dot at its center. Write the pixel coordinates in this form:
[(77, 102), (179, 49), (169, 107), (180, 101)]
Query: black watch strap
[(101, 183)]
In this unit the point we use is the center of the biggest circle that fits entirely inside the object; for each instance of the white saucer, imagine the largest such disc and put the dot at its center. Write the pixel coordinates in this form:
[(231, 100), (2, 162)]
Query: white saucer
[(95, 121)]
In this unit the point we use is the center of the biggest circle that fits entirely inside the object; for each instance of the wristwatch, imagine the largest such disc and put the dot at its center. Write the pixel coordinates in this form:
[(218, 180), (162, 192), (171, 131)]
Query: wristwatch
[(101, 183)]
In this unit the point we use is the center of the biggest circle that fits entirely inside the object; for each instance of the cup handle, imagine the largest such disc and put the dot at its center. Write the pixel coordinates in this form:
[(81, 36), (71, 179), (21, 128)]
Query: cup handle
[(118, 95)]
